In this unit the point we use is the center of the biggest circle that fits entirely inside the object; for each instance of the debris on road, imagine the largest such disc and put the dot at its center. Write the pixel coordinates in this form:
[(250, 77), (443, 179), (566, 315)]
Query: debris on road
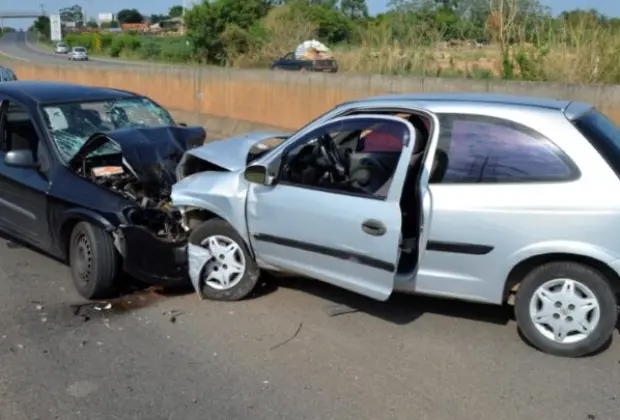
[(335, 310), (288, 340), (105, 306), (173, 314)]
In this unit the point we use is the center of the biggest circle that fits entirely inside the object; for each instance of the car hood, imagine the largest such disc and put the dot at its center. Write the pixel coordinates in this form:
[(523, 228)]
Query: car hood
[(232, 153), (152, 154)]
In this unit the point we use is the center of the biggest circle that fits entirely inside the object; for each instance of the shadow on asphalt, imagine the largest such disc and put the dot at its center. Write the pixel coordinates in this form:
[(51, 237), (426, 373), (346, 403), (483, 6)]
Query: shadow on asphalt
[(399, 309)]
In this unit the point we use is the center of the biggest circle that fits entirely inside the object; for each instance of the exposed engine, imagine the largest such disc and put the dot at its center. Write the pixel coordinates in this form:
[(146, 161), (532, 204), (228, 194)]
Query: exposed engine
[(153, 209)]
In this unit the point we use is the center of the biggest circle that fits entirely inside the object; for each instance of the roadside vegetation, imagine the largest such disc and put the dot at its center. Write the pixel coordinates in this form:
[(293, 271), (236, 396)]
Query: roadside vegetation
[(480, 39)]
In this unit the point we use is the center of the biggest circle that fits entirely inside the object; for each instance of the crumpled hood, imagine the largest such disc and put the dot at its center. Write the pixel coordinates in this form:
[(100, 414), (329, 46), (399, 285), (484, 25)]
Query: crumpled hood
[(151, 153), (232, 153)]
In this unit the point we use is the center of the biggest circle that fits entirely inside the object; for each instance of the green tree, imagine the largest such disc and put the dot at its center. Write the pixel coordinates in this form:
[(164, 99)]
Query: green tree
[(42, 26), (92, 24), (208, 21), (354, 9), (129, 16), (157, 18), (175, 11)]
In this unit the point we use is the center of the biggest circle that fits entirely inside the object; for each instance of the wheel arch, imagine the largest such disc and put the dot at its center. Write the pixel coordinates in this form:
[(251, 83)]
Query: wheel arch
[(72, 218), (521, 269), (197, 215)]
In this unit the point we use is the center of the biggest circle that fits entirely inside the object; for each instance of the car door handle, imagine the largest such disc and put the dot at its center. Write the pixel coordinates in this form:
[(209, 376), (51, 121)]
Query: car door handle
[(374, 227)]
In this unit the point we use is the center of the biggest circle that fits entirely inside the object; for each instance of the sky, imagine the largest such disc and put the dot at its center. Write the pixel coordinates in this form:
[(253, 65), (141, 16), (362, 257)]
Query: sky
[(94, 7)]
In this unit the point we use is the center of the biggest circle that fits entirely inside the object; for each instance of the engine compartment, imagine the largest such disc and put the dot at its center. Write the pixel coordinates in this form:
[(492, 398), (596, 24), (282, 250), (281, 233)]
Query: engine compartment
[(152, 210)]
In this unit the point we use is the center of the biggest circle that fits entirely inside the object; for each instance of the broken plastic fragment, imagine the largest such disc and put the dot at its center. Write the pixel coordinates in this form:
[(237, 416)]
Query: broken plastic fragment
[(197, 258), (103, 306)]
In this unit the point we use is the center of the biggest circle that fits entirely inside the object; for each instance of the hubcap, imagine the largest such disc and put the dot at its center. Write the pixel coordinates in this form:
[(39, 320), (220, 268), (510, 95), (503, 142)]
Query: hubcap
[(83, 259), (226, 267), (565, 311)]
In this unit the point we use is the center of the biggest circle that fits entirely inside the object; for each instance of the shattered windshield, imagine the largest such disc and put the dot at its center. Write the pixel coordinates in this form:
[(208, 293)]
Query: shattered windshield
[(71, 124)]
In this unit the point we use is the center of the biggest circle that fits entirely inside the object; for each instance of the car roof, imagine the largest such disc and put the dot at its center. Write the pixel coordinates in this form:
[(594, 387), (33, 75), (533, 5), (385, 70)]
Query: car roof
[(472, 98), (38, 93)]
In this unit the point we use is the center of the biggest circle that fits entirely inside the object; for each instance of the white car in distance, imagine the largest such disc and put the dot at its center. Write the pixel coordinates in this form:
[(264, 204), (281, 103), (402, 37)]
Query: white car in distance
[(78, 54), (61, 48)]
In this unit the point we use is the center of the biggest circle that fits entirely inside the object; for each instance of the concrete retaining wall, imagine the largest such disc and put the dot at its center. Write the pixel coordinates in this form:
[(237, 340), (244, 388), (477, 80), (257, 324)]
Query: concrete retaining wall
[(240, 100)]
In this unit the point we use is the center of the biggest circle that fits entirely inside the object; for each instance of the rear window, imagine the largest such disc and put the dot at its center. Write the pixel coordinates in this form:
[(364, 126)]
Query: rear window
[(603, 134), (79, 49)]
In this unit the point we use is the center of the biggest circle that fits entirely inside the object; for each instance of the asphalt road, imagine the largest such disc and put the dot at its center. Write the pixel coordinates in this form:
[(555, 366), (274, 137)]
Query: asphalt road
[(276, 356), (20, 46)]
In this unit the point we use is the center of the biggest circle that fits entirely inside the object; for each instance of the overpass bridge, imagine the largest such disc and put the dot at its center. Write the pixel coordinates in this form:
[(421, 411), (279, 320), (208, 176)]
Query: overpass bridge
[(21, 14)]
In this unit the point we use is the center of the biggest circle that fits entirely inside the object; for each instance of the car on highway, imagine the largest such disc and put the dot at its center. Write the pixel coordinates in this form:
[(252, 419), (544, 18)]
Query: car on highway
[(484, 198), (7, 75), (85, 174), (77, 54), (290, 63), (61, 48)]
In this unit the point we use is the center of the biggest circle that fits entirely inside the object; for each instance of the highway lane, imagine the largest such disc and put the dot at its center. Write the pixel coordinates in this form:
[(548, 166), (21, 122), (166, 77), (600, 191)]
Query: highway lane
[(411, 358), (20, 46)]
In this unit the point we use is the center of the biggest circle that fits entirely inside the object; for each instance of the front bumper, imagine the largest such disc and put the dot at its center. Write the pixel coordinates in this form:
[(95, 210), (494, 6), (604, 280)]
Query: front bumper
[(151, 259)]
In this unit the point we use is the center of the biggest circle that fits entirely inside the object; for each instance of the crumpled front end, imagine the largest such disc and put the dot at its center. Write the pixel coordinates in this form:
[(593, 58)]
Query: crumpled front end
[(150, 258)]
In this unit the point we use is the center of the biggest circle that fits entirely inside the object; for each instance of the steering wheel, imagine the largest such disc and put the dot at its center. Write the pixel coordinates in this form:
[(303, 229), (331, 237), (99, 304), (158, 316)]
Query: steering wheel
[(329, 151)]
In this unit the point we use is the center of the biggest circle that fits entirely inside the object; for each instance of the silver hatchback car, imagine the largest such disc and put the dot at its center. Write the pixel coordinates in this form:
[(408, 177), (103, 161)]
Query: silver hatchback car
[(78, 54), (486, 198)]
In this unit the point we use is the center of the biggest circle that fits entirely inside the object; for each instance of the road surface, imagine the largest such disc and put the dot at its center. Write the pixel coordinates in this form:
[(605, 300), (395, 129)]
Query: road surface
[(276, 356), (21, 46)]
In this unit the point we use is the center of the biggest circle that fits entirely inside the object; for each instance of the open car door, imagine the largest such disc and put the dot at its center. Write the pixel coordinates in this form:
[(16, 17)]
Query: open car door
[(348, 239)]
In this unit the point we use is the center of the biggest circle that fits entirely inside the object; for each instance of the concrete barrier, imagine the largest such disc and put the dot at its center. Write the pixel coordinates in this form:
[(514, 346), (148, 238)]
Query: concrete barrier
[(222, 98)]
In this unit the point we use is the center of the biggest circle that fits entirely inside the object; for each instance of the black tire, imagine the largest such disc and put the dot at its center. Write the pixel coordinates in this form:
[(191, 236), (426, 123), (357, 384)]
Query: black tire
[(94, 261), (587, 276), (248, 280)]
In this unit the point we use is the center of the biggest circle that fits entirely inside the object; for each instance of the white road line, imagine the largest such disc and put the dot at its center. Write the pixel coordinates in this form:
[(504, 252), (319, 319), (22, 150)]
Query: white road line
[(14, 57)]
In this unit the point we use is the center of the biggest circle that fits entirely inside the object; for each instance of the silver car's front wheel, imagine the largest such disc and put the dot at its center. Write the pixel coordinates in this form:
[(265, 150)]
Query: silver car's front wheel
[(566, 309), (227, 265), (230, 273)]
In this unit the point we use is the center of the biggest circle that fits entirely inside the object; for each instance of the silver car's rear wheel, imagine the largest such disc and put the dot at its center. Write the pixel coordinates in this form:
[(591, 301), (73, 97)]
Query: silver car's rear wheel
[(566, 309)]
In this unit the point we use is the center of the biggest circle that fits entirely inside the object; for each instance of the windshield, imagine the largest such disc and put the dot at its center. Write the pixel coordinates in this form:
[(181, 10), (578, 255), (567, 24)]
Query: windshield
[(603, 134), (71, 124)]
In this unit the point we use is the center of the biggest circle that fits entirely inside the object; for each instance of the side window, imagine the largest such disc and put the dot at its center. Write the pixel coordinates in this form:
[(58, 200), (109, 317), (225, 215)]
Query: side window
[(339, 157), (482, 149), (19, 130)]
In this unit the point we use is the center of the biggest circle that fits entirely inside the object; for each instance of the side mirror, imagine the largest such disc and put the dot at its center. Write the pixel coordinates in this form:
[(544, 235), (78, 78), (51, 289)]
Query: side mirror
[(257, 174), (183, 124), (20, 159)]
